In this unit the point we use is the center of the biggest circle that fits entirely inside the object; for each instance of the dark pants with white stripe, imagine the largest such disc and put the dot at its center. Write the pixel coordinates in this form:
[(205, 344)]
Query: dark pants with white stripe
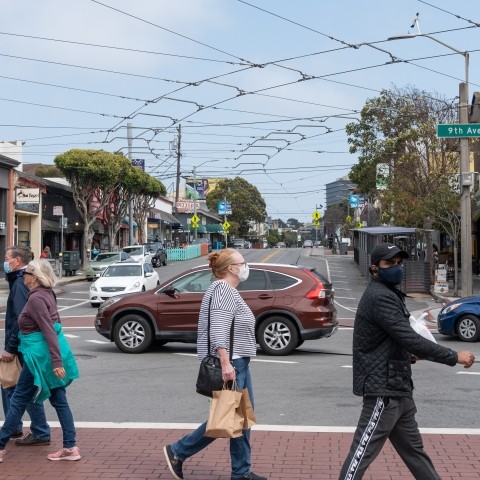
[(392, 418)]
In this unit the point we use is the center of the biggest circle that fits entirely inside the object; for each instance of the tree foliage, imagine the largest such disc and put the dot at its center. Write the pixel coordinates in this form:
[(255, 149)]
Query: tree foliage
[(398, 129), (94, 175), (247, 203)]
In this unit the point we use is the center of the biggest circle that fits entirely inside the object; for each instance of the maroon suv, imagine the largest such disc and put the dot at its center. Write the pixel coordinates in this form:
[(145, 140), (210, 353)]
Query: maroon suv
[(291, 304)]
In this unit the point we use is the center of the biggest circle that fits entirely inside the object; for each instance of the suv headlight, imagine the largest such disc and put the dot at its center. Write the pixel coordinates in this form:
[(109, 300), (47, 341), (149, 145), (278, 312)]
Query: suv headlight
[(93, 287), (136, 286)]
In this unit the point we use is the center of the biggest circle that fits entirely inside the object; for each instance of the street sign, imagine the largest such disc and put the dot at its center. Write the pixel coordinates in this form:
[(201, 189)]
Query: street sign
[(316, 223), (458, 130), (58, 210), (316, 215), (226, 226)]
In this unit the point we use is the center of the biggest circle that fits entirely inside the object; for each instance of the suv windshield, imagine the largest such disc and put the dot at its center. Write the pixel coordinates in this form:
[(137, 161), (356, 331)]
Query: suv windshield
[(134, 250)]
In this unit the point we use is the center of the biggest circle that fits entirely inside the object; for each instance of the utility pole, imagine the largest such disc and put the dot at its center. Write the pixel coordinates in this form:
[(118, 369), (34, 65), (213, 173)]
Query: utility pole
[(195, 229), (177, 185), (465, 205), (130, 204)]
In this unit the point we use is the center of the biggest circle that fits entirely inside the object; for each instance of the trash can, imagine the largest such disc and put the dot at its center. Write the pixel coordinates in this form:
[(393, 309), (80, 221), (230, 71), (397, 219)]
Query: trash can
[(70, 262), (342, 248), (217, 245)]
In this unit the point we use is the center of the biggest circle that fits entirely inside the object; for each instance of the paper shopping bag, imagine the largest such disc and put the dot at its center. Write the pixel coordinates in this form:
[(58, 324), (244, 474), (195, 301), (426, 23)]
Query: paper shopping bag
[(225, 419), (9, 372), (246, 408)]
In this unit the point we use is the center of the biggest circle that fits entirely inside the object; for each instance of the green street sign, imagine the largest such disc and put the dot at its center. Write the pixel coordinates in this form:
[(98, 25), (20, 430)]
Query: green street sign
[(458, 130)]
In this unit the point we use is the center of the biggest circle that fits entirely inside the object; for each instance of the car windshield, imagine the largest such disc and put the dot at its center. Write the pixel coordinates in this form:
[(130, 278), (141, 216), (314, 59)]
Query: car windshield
[(123, 271), (105, 256), (134, 250)]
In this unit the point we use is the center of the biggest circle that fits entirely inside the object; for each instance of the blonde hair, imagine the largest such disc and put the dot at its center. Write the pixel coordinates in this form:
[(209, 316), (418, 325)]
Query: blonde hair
[(43, 272), (220, 261)]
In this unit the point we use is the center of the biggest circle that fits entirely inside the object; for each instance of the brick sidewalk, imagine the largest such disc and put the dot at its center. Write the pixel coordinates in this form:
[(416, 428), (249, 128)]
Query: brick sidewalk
[(133, 453)]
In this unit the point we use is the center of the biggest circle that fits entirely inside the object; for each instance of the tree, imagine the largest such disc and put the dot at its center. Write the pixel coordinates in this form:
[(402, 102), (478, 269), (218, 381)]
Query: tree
[(444, 207), (144, 190), (247, 203), (94, 175), (293, 223), (48, 171), (398, 129)]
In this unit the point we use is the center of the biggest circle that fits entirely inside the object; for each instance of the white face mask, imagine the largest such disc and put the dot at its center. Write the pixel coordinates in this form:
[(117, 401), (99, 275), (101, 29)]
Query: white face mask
[(243, 272)]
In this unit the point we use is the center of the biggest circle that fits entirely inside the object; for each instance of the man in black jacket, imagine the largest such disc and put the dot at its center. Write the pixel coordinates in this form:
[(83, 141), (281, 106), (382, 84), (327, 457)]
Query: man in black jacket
[(16, 260), (384, 345)]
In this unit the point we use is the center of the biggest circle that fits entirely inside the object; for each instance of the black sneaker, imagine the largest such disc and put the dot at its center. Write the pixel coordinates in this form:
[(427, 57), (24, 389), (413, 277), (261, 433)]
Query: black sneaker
[(174, 464), (29, 440), (249, 476)]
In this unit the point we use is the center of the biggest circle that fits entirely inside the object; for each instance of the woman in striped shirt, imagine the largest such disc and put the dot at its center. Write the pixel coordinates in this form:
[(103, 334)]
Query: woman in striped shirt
[(229, 268)]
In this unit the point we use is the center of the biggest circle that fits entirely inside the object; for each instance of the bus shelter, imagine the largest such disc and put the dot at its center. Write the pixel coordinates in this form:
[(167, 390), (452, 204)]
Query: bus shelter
[(417, 277)]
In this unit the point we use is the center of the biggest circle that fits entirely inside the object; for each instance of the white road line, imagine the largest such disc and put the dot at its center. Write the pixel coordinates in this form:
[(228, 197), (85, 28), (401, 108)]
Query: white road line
[(69, 335), (353, 310), (346, 298), (252, 360), (73, 306), (96, 341), (468, 373), (347, 366)]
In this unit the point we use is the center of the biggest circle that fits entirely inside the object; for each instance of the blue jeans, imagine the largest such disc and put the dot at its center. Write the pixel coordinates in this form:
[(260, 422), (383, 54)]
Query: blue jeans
[(23, 394), (38, 425), (240, 450)]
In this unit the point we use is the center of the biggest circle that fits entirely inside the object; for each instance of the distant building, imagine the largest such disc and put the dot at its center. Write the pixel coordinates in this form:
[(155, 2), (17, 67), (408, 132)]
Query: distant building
[(338, 191)]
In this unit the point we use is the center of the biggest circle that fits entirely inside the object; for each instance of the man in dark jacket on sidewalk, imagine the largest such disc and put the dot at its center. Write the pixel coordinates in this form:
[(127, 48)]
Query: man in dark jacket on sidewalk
[(16, 259), (384, 346)]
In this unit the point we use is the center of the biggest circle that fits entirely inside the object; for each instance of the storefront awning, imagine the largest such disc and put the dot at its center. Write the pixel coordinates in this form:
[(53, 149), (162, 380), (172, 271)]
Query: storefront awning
[(164, 217), (200, 229), (214, 228)]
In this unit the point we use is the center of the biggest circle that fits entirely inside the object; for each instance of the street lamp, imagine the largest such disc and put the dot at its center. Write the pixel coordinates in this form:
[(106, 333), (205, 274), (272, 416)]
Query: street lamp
[(465, 201)]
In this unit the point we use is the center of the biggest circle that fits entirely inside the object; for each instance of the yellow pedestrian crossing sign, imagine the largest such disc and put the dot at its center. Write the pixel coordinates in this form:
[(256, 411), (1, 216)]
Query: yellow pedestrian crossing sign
[(226, 226), (195, 219), (316, 224), (316, 215)]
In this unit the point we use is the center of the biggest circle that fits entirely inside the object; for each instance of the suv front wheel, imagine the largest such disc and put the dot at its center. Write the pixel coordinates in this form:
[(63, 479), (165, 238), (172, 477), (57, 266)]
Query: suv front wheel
[(277, 336), (132, 334)]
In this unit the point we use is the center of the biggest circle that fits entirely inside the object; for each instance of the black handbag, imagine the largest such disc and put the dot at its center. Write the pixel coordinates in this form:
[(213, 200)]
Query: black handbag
[(210, 372)]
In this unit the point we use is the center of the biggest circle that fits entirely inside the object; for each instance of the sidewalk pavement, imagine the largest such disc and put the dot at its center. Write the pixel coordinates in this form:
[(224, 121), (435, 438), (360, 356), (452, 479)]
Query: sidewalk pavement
[(120, 452), (134, 451)]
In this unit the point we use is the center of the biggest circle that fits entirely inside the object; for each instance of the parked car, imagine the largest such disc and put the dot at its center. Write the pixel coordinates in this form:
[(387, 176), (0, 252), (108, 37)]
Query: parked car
[(291, 304), (158, 252), (317, 243), (238, 243), (280, 245), (199, 241), (140, 253), (307, 244), (123, 277), (96, 266), (247, 245), (461, 318)]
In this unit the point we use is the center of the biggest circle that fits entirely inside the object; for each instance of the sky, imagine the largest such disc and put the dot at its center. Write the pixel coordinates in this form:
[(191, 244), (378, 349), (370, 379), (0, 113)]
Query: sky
[(260, 89)]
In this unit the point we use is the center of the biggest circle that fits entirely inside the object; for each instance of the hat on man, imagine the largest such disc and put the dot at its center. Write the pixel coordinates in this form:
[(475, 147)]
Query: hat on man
[(386, 251)]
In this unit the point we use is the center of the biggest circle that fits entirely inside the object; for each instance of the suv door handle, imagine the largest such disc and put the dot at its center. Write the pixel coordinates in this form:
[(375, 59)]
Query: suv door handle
[(265, 296)]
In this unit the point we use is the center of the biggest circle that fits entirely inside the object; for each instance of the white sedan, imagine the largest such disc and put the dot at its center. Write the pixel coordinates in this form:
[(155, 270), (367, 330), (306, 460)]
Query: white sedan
[(122, 278)]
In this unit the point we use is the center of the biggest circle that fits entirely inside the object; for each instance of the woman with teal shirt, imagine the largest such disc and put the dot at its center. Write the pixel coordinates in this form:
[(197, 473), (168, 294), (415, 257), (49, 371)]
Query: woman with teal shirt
[(49, 364)]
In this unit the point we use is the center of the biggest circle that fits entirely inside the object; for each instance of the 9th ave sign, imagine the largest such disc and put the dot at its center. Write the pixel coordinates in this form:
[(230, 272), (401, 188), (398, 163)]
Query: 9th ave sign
[(458, 130)]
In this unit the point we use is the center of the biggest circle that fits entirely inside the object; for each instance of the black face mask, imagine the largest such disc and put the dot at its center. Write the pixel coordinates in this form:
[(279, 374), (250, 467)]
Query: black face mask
[(391, 276)]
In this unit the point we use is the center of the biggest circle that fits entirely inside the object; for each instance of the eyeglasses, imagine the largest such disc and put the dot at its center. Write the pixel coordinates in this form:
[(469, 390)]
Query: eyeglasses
[(241, 263), (28, 273)]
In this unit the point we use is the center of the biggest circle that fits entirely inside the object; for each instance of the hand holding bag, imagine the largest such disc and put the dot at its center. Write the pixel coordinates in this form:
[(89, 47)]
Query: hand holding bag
[(9, 372), (225, 419), (210, 372)]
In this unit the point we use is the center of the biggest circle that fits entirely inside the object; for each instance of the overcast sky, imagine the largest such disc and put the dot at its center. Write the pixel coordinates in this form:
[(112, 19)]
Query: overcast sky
[(262, 89)]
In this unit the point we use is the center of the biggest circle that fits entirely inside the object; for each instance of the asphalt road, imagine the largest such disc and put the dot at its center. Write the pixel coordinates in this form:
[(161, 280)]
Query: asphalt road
[(312, 386)]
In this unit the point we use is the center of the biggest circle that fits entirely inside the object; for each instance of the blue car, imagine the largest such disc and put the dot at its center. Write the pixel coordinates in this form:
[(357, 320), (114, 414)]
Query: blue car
[(461, 318)]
